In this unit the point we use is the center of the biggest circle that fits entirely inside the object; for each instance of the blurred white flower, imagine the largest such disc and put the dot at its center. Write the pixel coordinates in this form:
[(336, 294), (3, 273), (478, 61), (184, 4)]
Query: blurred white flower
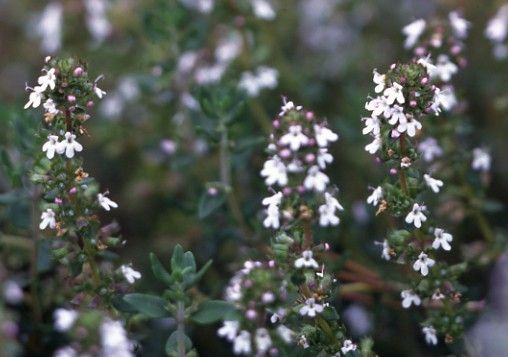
[(96, 20), (98, 92), (324, 135), (48, 219), (50, 107), (49, 27), (376, 196), (444, 69), (242, 343), (430, 335), (413, 31), (409, 298), (375, 145), (306, 261), (348, 346), (66, 351), (285, 333), (327, 211), (459, 25), (411, 126), (229, 329), (497, 27), (288, 106), (253, 83), (12, 292), (481, 160), (263, 340), (315, 180), (442, 239), (378, 106), (229, 47), (275, 171), (263, 9), (372, 126), (130, 274), (429, 149), (434, 184), (444, 98), (324, 157), (272, 211), (64, 319), (311, 308), (35, 97), (379, 80), (416, 215), (294, 138), (423, 263), (114, 340), (105, 202), (394, 94)]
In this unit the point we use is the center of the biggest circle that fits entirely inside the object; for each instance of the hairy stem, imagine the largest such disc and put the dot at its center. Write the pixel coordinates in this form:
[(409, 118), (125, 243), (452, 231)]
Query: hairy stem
[(402, 173), (180, 332), (34, 276)]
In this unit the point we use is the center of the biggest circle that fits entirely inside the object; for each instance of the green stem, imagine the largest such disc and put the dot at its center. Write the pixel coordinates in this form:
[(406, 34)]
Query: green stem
[(90, 257), (180, 332), (34, 276), (402, 172)]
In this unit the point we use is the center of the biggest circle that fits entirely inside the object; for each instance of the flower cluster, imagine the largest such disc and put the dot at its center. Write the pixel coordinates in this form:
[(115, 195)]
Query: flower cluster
[(71, 196), (408, 95), (299, 153)]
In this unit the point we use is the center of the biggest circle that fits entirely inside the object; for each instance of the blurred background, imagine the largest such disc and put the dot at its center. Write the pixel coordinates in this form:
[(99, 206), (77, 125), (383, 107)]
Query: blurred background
[(155, 150)]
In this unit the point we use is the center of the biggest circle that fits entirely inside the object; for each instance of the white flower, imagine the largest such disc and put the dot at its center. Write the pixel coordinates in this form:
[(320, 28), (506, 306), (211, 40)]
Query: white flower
[(294, 138), (443, 239), (324, 135), (263, 9), (64, 319), (69, 145), (50, 106), (497, 28), (48, 80), (411, 126), (375, 196), (434, 184), (265, 77), (409, 298), (423, 263), (12, 292), (385, 252), (50, 146), (348, 346), (429, 149), (35, 98), (242, 343), (229, 330), (394, 93), (48, 219), (444, 69), (327, 211), (130, 274), (397, 116), (306, 261), (427, 63), (444, 98), (288, 106), (66, 351), (375, 145), (275, 171), (372, 126), (378, 106), (273, 213), (430, 335), (105, 202), (310, 308), (49, 27), (459, 24), (380, 81), (416, 215), (285, 333), (413, 31), (114, 339), (324, 157), (98, 92), (481, 160), (316, 180), (263, 340)]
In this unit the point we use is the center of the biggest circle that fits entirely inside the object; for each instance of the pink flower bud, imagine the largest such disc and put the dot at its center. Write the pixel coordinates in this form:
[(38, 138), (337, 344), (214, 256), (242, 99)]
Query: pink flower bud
[(327, 247), (78, 72), (212, 191), (413, 103), (251, 314), (268, 297), (285, 153), (424, 80), (90, 104), (393, 65), (309, 116), (312, 142), (395, 134), (301, 189), (58, 200), (276, 124), (271, 263), (286, 191), (455, 50), (420, 51), (309, 158), (462, 62), (393, 171), (73, 190), (71, 98)]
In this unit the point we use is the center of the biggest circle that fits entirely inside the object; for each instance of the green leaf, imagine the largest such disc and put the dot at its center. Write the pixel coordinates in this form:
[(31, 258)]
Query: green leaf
[(172, 343), (177, 259), (159, 271), (149, 305), (212, 311), (196, 277), (189, 261), (209, 203)]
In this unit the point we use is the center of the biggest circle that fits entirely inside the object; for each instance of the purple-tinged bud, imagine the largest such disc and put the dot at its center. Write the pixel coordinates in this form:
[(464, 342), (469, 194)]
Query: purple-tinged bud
[(248, 283), (312, 285), (239, 21), (393, 65), (71, 98), (72, 108), (309, 158), (309, 116), (251, 314), (90, 104), (286, 191), (311, 142), (462, 62), (420, 51), (402, 80), (393, 171), (78, 72), (429, 109), (168, 146), (9, 329), (276, 124), (58, 201), (271, 263), (395, 134), (424, 80), (81, 332), (73, 190), (273, 352), (285, 153), (301, 189), (413, 104), (327, 247), (377, 160), (455, 50), (212, 191), (268, 297)]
